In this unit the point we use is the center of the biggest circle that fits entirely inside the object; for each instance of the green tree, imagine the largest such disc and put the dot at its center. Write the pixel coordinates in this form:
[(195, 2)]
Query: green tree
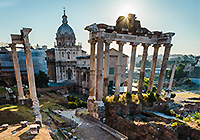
[(148, 64), (41, 79), (179, 73)]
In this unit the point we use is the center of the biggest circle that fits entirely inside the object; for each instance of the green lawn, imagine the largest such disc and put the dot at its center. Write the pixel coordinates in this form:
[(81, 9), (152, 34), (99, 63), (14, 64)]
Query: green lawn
[(13, 114)]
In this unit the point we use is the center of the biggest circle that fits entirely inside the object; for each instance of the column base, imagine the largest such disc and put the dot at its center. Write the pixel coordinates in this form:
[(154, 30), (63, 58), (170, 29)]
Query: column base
[(99, 103), (91, 98), (36, 111), (96, 109)]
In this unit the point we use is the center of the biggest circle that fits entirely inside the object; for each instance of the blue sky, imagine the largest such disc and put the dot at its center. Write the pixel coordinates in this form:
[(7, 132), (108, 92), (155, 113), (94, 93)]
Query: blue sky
[(44, 17)]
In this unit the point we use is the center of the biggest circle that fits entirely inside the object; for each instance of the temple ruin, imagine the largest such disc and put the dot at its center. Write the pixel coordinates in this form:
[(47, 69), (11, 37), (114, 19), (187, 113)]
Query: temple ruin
[(126, 30), (23, 39)]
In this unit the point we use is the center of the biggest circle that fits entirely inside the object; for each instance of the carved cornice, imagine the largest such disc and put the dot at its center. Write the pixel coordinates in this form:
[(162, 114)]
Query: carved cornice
[(97, 33)]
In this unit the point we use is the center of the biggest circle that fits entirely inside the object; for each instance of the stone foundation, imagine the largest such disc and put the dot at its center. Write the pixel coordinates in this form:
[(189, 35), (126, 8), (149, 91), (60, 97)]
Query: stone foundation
[(96, 110)]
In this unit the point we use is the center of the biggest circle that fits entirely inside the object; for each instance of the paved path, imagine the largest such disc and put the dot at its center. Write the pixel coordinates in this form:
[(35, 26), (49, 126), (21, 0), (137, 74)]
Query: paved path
[(85, 129), (194, 91)]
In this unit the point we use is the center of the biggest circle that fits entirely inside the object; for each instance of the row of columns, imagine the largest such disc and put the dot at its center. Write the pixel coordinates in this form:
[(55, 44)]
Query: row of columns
[(102, 81)]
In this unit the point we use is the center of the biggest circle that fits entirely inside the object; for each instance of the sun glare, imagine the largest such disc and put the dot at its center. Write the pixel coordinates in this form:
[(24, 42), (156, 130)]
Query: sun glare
[(125, 9)]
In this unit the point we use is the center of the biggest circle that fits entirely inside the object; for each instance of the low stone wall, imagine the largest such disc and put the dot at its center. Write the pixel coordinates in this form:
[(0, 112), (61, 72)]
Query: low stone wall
[(66, 87), (68, 121), (122, 109)]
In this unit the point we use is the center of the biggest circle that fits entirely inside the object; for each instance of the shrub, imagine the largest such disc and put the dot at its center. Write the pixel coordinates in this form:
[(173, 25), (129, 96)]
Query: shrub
[(178, 116), (151, 97), (128, 96), (84, 104), (196, 116), (173, 95), (76, 99), (72, 105), (70, 98)]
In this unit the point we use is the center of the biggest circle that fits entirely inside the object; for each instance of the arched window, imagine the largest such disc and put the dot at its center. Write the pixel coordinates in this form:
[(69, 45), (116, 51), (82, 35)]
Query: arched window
[(68, 55), (69, 73), (62, 54), (111, 71)]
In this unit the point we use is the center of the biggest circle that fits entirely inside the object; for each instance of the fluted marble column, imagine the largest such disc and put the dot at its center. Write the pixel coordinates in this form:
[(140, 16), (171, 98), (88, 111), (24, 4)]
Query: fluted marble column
[(163, 68), (119, 68), (99, 79), (142, 70), (106, 69), (153, 67), (30, 74), (132, 65), (92, 70), (17, 72)]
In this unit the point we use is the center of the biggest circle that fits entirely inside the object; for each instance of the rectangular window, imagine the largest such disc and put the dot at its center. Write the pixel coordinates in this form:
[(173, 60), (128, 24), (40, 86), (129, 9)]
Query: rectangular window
[(111, 71)]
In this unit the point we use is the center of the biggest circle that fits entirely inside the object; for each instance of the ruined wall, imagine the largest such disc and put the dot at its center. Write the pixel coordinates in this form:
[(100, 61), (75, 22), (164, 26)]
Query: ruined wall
[(116, 118)]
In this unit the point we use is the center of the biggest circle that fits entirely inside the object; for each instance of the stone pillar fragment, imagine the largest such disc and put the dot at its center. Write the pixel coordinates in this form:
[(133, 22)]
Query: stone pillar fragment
[(168, 92), (132, 65), (153, 67), (142, 70), (172, 76), (106, 69), (30, 74), (163, 68), (99, 79), (119, 68), (92, 70), (17, 72)]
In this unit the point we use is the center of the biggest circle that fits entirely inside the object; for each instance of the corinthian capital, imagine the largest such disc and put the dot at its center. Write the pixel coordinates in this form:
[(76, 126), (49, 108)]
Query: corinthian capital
[(92, 41)]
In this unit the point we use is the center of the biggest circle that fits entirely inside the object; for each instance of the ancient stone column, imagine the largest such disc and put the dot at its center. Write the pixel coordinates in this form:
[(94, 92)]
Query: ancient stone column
[(153, 67), (80, 81), (168, 94), (106, 69), (119, 68), (142, 70), (77, 79), (172, 76), (132, 65), (17, 72), (30, 74), (163, 68), (99, 79), (92, 70)]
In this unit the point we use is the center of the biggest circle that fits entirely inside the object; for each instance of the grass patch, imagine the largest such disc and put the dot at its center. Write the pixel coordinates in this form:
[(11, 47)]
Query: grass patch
[(14, 114), (3, 90), (56, 117), (46, 102)]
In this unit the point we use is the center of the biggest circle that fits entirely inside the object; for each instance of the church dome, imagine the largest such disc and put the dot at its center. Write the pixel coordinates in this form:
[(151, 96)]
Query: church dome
[(65, 35), (65, 28)]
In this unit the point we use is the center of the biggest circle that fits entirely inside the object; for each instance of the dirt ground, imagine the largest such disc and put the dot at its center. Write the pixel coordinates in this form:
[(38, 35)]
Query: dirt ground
[(16, 132), (185, 95)]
